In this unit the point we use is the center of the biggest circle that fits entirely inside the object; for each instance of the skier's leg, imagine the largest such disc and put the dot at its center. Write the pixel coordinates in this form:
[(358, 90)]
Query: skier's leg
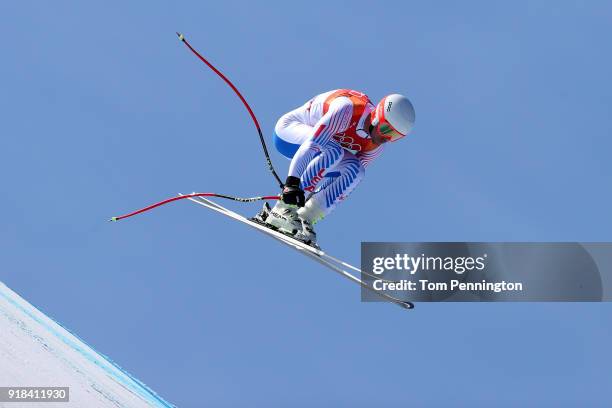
[(312, 147), (316, 158), (327, 158), (318, 162), (351, 171)]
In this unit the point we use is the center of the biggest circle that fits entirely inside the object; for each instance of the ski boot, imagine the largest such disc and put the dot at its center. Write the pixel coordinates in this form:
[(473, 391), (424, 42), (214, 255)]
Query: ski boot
[(307, 234), (262, 216), (283, 218), (301, 230)]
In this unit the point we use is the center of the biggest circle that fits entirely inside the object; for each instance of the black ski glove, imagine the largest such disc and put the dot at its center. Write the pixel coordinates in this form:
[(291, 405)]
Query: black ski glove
[(292, 193)]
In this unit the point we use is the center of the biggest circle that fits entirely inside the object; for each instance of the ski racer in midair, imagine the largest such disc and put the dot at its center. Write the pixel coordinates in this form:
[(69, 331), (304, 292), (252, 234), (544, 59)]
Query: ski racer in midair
[(331, 139)]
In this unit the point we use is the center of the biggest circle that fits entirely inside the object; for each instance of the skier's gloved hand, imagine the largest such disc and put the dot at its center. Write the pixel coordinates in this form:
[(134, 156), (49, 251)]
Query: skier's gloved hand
[(292, 193)]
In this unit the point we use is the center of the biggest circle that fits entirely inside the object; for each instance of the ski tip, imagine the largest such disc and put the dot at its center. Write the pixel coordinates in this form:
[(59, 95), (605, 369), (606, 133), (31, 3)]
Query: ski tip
[(113, 219), (180, 36), (407, 305)]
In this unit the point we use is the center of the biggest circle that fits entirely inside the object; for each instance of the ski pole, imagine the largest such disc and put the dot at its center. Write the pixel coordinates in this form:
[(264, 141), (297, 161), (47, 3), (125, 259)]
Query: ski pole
[(246, 104), (181, 197)]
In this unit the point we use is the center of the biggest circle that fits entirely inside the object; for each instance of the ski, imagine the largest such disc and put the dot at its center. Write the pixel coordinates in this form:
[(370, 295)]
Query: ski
[(315, 254), (283, 237)]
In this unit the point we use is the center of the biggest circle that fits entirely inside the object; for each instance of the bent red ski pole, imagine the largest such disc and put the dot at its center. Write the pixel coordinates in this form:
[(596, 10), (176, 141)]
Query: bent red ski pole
[(244, 102)]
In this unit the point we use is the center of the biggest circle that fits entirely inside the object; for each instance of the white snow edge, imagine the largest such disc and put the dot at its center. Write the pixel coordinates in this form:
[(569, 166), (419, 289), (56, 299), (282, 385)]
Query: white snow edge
[(37, 351)]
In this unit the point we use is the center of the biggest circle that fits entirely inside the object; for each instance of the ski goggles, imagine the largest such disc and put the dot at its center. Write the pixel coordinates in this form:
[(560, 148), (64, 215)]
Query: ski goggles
[(386, 130)]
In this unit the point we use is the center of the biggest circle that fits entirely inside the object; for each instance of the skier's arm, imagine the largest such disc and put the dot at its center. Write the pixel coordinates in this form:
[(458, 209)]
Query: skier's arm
[(336, 120)]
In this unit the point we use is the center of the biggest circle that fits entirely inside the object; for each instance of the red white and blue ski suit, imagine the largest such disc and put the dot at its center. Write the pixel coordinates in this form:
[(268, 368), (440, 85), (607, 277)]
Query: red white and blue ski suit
[(328, 147)]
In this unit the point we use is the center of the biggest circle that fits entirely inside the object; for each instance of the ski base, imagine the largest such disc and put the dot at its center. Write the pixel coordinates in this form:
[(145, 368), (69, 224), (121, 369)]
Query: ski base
[(312, 252)]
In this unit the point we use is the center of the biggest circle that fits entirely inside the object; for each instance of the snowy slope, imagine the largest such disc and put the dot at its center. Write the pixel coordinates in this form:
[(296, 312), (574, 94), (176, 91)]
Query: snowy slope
[(37, 351)]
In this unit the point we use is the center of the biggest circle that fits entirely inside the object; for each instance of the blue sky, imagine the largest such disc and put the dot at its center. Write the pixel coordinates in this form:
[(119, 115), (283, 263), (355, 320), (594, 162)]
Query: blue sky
[(104, 111)]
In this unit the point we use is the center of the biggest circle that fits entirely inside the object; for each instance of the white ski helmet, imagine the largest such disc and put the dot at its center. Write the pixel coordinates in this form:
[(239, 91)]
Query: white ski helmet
[(394, 117)]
